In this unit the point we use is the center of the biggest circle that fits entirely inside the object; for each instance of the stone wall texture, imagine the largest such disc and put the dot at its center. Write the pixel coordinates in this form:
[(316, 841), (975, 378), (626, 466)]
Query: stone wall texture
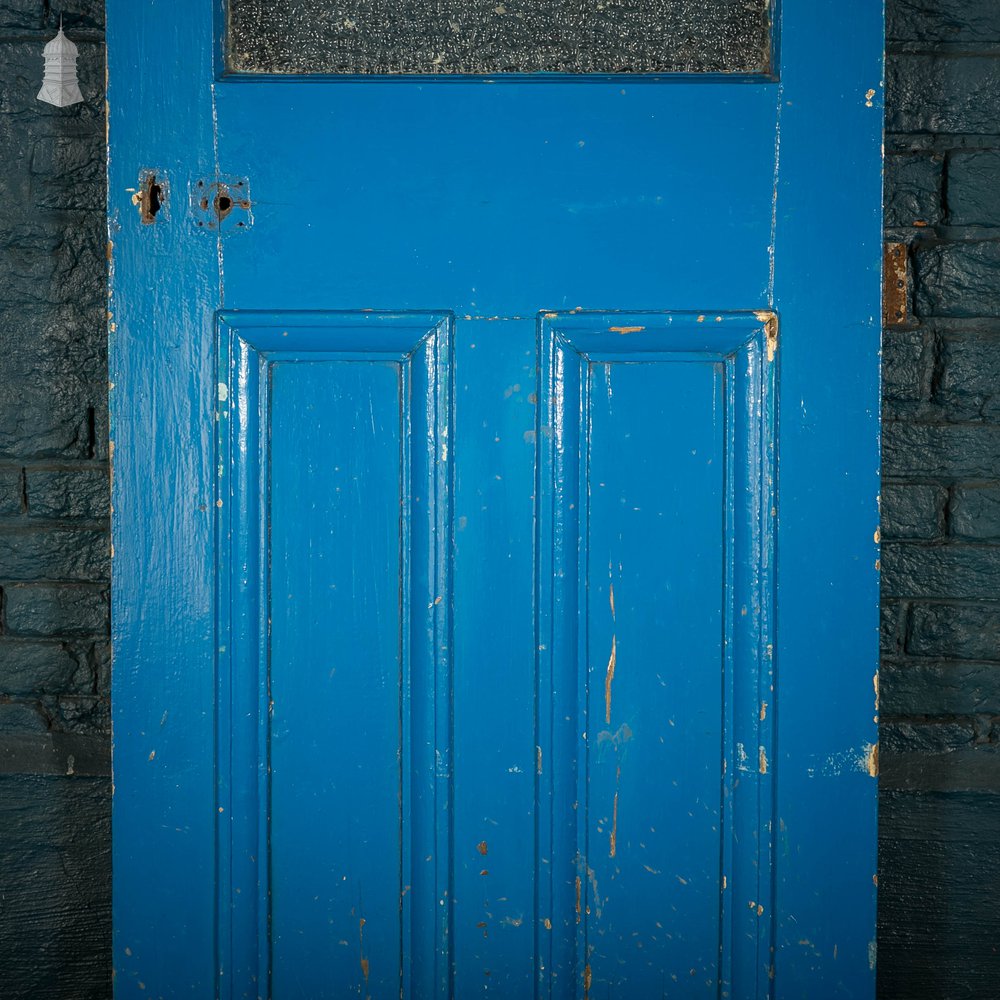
[(55, 826), (940, 678)]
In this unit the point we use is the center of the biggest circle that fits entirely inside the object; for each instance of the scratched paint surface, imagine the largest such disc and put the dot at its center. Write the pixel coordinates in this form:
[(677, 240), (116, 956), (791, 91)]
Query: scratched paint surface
[(483, 36), (335, 682), (551, 234), (656, 675), (661, 461), (335, 678)]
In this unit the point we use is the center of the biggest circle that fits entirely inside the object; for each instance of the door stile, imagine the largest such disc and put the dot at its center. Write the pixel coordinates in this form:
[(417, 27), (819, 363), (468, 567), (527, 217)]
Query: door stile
[(828, 194)]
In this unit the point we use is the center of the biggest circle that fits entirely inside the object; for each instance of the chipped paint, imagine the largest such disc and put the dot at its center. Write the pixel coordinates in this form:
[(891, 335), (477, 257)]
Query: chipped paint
[(762, 760), (614, 826), (871, 760), (609, 679), (770, 321), (626, 329), (363, 960), (862, 759)]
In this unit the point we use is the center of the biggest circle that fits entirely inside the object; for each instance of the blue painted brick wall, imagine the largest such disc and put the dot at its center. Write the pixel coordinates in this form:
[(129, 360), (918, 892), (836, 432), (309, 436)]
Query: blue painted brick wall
[(54, 566), (940, 678)]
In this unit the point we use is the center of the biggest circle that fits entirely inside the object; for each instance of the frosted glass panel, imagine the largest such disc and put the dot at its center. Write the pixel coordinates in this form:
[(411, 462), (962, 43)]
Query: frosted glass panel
[(487, 37)]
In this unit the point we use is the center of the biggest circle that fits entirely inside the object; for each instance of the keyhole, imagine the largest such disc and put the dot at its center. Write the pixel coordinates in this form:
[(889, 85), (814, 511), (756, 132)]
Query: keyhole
[(151, 196), (154, 199), (223, 205)]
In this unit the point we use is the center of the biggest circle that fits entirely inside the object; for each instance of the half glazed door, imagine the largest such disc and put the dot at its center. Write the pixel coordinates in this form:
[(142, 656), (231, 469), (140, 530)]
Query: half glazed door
[(495, 397)]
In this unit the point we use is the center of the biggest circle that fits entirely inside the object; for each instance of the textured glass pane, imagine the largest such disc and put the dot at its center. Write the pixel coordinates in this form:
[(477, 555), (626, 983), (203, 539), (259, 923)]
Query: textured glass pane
[(486, 37)]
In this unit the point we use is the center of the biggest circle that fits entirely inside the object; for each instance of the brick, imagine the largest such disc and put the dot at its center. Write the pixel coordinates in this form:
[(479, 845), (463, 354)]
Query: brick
[(890, 627), (949, 572), (55, 852), (942, 451), (974, 768), (46, 419), (10, 492), (48, 262), (913, 189), (15, 178), (955, 631), (36, 666), (66, 340), (18, 717), (912, 511), (973, 188), (907, 366), (969, 386), (54, 553), (83, 715), (957, 279), (974, 513), (68, 493), (943, 94), (99, 660), (33, 610), (937, 925), (943, 21), (102, 432), (919, 688), (33, 16), (937, 736), (68, 171)]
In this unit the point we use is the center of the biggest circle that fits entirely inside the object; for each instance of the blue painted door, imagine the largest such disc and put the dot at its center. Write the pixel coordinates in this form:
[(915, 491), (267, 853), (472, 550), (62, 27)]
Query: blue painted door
[(496, 470)]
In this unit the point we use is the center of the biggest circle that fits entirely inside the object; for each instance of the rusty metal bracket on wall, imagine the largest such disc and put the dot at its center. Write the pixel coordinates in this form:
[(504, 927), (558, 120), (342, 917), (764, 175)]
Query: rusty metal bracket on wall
[(895, 282), (221, 205)]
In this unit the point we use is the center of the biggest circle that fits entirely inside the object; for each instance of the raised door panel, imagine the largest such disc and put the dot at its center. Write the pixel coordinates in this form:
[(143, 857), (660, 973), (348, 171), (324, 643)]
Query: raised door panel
[(334, 659), (655, 594)]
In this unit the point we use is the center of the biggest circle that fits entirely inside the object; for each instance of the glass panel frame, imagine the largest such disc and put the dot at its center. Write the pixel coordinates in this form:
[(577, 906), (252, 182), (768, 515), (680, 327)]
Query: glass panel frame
[(507, 49)]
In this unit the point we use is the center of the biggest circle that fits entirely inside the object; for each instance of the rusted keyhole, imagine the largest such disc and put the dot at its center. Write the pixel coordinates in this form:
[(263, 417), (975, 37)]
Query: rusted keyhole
[(223, 204), (214, 201), (150, 197)]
